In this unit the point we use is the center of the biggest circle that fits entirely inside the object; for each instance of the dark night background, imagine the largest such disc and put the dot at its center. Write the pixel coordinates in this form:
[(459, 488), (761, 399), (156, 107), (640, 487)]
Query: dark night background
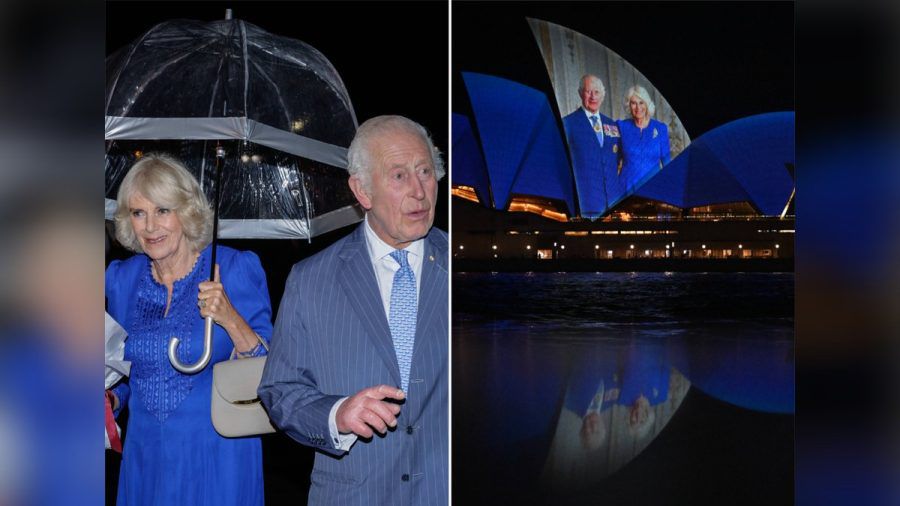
[(713, 61), (388, 65)]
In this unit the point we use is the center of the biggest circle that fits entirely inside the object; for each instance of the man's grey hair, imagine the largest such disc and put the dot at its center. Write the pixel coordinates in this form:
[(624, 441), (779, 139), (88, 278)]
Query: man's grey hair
[(359, 155)]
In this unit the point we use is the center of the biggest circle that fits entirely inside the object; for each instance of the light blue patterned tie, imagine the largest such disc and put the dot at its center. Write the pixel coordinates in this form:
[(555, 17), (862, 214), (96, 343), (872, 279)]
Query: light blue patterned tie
[(402, 319), (595, 120)]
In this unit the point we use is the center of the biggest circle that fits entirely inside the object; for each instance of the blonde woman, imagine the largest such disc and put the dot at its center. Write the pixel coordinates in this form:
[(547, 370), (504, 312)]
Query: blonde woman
[(172, 454), (645, 141)]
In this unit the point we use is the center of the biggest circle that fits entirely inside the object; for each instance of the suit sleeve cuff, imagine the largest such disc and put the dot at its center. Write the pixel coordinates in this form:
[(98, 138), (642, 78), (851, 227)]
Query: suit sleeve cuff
[(338, 440)]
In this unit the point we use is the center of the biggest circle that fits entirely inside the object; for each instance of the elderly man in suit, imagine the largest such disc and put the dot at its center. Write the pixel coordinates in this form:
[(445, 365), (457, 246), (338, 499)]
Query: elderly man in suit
[(595, 148), (358, 363)]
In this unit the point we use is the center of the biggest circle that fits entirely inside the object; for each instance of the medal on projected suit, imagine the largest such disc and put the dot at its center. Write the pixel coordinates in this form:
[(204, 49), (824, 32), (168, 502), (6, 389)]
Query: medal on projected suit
[(597, 126)]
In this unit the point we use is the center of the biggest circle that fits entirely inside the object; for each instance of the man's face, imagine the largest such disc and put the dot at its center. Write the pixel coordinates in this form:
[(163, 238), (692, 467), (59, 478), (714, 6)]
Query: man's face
[(403, 193), (639, 412), (593, 431), (591, 96)]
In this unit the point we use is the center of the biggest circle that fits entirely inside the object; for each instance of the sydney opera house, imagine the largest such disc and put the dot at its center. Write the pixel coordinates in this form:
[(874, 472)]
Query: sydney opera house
[(724, 200)]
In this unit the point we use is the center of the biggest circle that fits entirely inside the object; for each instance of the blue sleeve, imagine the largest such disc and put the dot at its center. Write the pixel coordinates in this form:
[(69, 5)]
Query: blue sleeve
[(111, 271), (117, 310), (289, 388), (620, 152), (666, 154), (111, 288), (123, 393), (567, 129), (246, 287)]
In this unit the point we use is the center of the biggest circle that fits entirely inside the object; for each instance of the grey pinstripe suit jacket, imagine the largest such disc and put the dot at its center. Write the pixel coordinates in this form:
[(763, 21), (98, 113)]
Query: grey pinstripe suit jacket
[(331, 340)]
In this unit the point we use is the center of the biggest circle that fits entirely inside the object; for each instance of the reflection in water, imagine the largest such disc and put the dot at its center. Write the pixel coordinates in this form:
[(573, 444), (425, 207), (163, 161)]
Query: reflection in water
[(615, 403), (751, 373), (556, 394)]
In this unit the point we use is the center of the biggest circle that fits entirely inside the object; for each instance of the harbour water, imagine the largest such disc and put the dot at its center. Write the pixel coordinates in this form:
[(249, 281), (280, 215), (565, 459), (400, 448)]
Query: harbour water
[(613, 387)]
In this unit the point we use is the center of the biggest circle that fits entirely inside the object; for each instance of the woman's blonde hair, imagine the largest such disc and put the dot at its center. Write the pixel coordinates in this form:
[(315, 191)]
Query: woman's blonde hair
[(167, 183)]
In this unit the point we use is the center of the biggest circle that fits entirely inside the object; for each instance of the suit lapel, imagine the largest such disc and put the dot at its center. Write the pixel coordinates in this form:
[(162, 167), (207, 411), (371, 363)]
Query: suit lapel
[(357, 278), (432, 295)]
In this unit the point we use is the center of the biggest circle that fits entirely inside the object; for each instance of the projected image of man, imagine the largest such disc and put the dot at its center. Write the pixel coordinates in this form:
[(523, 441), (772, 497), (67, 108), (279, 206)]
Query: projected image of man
[(594, 145)]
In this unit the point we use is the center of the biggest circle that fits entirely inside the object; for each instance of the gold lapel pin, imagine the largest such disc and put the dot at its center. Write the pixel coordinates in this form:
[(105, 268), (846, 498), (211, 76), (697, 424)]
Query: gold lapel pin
[(431, 257)]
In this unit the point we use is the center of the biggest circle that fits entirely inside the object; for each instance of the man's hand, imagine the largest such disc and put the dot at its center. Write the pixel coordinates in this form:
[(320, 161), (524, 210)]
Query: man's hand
[(367, 410)]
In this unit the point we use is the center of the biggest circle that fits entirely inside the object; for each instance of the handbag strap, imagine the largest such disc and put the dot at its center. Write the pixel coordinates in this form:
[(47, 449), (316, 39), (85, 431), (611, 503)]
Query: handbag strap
[(261, 341)]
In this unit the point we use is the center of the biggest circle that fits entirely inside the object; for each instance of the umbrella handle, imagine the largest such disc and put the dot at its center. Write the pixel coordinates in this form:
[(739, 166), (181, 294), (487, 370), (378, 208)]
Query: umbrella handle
[(204, 358)]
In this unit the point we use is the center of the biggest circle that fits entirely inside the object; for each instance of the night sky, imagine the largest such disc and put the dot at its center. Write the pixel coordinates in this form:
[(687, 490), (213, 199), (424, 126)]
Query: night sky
[(392, 57), (713, 61)]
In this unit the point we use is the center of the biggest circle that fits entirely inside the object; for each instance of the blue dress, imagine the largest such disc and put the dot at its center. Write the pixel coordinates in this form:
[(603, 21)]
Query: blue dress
[(172, 454), (590, 370), (644, 152)]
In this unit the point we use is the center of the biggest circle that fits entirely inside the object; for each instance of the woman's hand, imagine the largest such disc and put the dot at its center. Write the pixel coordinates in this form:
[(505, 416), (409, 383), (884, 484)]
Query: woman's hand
[(213, 301)]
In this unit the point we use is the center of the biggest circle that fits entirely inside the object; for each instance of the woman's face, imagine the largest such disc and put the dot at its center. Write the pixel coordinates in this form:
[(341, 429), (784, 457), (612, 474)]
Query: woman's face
[(638, 107), (158, 229)]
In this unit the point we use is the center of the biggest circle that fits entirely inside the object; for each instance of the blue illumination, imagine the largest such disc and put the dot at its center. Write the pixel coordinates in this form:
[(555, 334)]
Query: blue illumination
[(468, 163), (744, 160), (522, 144)]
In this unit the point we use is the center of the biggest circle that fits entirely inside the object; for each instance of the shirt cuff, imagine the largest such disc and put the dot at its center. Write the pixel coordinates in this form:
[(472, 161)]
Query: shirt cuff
[(338, 440)]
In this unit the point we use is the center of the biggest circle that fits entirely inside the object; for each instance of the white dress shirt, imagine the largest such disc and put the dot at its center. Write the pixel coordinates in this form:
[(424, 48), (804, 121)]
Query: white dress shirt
[(589, 114), (385, 267)]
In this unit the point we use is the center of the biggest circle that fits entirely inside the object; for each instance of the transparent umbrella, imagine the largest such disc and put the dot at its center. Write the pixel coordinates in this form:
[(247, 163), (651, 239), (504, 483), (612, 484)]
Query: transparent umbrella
[(262, 121)]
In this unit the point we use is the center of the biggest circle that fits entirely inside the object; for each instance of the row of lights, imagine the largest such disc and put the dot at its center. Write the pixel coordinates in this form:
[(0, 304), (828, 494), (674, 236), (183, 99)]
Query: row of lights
[(246, 156), (630, 246)]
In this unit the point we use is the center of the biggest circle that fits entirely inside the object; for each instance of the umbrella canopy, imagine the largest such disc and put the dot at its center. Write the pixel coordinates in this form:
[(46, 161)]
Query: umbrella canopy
[(277, 106)]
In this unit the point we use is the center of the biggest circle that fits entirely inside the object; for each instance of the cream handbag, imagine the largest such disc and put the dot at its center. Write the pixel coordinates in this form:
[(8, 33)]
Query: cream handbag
[(236, 409)]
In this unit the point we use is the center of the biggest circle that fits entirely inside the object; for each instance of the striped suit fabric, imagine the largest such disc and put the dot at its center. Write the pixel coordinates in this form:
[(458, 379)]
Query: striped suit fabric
[(332, 340)]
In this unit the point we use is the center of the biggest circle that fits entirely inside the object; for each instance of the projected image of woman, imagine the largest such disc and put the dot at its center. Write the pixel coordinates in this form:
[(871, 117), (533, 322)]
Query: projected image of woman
[(645, 141)]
